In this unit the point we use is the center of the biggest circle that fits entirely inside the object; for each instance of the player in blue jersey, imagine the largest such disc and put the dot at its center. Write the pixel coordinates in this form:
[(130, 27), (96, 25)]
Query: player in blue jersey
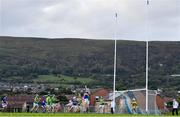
[(4, 102), (43, 103)]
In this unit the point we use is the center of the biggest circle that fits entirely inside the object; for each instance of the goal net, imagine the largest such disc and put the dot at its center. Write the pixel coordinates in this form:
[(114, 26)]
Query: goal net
[(124, 98)]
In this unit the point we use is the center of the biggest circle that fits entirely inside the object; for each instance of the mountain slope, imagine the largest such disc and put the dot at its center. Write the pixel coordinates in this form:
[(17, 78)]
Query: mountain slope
[(30, 57)]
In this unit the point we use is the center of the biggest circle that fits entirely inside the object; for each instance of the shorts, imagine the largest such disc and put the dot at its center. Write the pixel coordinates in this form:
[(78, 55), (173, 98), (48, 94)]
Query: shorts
[(48, 105), (53, 105), (86, 101), (43, 104), (4, 105), (134, 107), (35, 104)]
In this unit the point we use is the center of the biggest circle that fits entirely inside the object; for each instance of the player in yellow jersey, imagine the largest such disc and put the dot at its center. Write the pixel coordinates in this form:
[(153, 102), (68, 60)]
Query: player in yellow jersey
[(134, 105)]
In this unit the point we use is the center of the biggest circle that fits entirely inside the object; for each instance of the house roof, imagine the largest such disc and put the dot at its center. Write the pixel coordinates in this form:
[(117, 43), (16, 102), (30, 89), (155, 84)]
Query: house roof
[(167, 99), (96, 90)]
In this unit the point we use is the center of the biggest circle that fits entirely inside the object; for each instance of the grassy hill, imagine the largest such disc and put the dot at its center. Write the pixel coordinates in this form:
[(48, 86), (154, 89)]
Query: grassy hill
[(39, 59), (61, 78)]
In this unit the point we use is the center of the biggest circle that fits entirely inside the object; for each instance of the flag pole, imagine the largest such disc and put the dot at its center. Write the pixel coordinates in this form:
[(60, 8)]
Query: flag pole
[(147, 56), (115, 48)]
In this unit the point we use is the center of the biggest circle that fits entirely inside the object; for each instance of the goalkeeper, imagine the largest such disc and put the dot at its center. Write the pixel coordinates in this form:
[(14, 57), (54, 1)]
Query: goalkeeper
[(134, 105)]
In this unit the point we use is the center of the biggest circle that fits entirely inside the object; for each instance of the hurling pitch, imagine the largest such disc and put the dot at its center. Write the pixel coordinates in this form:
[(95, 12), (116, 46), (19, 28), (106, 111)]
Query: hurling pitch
[(75, 115)]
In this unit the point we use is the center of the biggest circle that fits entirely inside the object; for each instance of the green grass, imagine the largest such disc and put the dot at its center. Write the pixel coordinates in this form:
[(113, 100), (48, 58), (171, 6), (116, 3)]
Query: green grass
[(55, 79), (73, 115), (62, 78)]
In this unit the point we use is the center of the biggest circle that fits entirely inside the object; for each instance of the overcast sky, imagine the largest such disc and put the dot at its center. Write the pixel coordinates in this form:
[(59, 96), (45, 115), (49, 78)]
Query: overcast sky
[(94, 19)]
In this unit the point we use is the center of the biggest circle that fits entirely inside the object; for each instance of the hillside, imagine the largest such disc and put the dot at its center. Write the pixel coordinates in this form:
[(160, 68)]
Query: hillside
[(29, 58)]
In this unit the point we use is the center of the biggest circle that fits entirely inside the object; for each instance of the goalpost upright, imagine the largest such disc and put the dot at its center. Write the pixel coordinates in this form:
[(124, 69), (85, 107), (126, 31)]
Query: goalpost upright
[(115, 57), (147, 56), (115, 53)]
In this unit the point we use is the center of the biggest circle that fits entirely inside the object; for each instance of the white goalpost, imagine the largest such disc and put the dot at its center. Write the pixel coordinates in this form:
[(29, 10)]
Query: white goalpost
[(115, 56)]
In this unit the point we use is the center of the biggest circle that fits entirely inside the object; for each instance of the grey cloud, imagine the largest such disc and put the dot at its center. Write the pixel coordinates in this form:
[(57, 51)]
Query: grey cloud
[(91, 18), (0, 17), (165, 19)]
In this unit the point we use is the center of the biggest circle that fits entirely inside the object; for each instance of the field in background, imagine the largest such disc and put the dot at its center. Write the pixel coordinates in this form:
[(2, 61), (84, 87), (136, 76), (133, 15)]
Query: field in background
[(61, 78), (55, 80), (74, 115)]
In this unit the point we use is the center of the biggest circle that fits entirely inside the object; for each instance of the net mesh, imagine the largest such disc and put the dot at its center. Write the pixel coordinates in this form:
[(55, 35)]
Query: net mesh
[(124, 98)]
